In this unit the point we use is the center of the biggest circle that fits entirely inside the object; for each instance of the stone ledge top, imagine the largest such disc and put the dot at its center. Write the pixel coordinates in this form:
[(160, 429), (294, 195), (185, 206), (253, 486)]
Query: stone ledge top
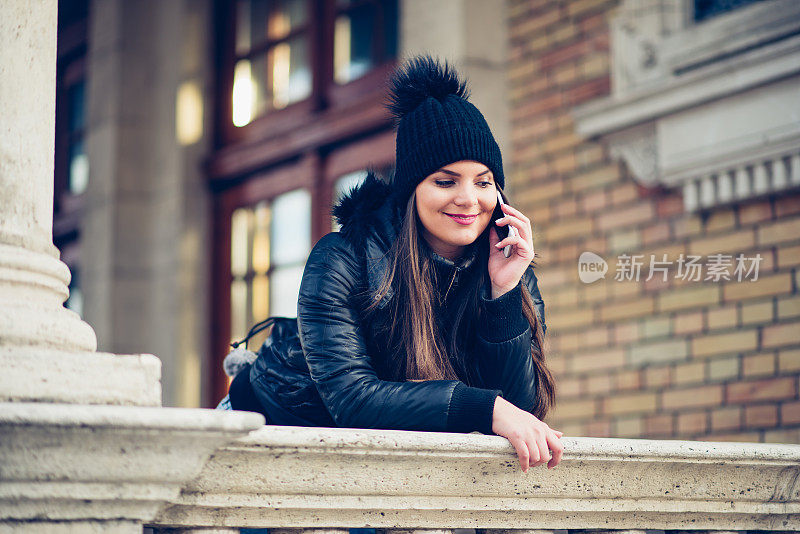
[(142, 418), (369, 441)]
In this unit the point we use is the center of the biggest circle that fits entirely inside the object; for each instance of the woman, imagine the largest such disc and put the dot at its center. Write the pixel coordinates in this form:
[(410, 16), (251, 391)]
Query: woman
[(411, 317)]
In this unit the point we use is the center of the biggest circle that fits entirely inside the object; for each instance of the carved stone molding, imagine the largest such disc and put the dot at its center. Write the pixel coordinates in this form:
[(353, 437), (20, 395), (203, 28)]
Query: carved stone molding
[(703, 107)]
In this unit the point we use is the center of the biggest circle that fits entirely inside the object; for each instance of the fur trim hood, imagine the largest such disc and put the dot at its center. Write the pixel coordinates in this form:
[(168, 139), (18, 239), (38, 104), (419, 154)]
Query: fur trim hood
[(368, 210)]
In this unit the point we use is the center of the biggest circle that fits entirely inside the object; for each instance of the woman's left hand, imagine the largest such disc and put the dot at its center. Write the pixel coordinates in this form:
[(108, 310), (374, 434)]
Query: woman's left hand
[(506, 273)]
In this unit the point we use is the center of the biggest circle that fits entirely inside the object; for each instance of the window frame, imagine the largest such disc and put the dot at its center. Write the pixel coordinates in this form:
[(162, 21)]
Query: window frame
[(325, 94), (316, 172)]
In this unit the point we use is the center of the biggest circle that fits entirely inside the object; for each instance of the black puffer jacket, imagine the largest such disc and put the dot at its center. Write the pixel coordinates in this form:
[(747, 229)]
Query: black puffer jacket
[(335, 373)]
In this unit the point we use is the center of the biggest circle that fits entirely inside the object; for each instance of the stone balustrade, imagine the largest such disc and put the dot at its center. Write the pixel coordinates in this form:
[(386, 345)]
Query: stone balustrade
[(327, 480)]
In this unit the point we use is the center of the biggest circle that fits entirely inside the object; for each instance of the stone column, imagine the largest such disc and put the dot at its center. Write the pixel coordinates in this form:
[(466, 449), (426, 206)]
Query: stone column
[(46, 351), (70, 464)]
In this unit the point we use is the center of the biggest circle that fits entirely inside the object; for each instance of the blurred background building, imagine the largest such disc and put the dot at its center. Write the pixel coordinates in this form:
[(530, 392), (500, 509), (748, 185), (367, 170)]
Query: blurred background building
[(200, 145)]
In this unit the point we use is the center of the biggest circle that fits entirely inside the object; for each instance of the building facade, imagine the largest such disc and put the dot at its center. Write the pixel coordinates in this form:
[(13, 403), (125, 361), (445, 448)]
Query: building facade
[(200, 145)]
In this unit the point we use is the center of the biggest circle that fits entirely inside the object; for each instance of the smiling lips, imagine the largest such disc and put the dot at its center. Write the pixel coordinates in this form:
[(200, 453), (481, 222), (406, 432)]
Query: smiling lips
[(462, 219)]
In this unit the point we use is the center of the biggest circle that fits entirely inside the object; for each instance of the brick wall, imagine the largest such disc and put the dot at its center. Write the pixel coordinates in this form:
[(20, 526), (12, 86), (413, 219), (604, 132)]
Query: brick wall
[(657, 359)]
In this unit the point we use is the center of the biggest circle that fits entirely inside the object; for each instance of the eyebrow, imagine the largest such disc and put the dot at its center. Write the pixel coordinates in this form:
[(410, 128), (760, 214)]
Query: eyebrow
[(451, 173)]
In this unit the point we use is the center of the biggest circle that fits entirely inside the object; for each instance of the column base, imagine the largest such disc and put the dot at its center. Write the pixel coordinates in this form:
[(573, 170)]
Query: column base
[(37, 374)]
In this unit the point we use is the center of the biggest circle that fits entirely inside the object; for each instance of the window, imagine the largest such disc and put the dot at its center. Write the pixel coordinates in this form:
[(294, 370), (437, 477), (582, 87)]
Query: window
[(71, 173), (284, 52), (273, 62), (270, 242), (365, 35), (300, 113), (705, 9)]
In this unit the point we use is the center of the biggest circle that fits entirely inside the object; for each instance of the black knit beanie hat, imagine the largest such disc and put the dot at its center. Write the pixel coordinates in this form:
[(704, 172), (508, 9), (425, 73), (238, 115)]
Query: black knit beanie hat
[(436, 125)]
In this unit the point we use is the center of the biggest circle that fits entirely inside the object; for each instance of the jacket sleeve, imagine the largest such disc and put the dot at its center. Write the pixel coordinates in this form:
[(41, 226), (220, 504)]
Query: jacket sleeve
[(503, 350), (336, 353)]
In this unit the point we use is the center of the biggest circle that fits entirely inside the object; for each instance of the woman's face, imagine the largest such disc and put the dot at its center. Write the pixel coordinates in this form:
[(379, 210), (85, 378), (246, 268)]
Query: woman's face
[(455, 205)]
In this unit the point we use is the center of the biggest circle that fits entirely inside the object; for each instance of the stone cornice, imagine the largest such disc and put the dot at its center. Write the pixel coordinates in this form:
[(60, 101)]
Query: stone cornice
[(671, 95)]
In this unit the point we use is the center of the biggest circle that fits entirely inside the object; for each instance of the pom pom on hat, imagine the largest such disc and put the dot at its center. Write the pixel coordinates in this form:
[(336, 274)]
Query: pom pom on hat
[(419, 78)]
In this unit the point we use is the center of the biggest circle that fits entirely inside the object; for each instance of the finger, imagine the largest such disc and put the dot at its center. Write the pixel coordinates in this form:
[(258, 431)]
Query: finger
[(557, 448), (560, 433), (544, 451), (534, 451), (518, 225), (522, 452), (515, 212), (516, 241)]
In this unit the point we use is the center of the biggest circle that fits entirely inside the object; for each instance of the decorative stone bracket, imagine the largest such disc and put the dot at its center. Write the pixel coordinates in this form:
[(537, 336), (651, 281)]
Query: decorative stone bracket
[(709, 108)]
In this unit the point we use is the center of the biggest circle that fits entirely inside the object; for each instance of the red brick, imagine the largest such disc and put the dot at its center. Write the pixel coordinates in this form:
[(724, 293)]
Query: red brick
[(566, 208), (565, 53), (578, 409), (589, 154), (594, 201), (658, 377), (723, 219), (533, 24), (598, 384), (599, 360), (726, 418), (579, 8), (655, 234), (790, 413), (788, 256), (640, 402), (540, 105), (781, 335), (692, 423), (659, 425), (628, 380), (569, 387), (755, 213), (689, 373), (667, 206), (688, 323), (636, 214), (758, 365), (598, 428), (692, 397), (590, 24), (624, 193), (763, 416), (773, 284), (626, 332), (760, 390), (594, 337), (787, 205), (780, 231), (588, 90)]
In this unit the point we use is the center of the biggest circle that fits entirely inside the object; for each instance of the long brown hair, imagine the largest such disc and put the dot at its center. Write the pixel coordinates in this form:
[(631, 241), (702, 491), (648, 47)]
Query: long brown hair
[(413, 329)]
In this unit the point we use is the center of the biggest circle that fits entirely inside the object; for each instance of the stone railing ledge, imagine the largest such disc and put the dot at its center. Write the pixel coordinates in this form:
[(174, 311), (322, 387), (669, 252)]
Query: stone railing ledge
[(287, 477), (104, 463)]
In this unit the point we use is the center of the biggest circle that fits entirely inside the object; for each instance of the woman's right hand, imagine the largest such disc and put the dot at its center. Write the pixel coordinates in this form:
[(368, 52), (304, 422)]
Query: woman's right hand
[(532, 438)]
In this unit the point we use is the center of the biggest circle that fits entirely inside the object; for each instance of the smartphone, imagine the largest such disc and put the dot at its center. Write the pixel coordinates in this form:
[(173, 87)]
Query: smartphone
[(502, 231)]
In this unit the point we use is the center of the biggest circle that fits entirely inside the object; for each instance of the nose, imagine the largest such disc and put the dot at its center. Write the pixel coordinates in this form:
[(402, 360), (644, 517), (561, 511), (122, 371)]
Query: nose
[(466, 195)]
